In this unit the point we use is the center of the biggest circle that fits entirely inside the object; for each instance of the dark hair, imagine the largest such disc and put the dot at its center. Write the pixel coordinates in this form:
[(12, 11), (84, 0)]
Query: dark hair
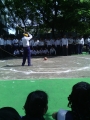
[(36, 103), (79, 101), (9, 113)]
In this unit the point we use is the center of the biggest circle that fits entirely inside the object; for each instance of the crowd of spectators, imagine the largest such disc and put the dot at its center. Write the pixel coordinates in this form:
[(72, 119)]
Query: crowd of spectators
[(36, 106), (59, 46)]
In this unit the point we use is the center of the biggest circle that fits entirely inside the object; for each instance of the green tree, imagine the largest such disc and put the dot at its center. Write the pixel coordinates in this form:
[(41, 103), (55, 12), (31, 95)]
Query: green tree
[(59, 15)]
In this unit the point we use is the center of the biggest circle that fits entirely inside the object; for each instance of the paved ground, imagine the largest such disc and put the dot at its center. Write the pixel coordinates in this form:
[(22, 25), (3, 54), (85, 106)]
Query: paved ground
[(75, 66)]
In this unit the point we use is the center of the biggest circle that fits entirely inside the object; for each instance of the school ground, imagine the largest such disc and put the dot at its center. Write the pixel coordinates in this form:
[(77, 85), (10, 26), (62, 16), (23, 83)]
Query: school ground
[(56, 76)]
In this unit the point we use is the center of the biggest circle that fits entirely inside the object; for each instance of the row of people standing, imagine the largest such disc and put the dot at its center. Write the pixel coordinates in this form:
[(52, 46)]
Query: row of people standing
[(63, 45), (9, 45), (60, 46)]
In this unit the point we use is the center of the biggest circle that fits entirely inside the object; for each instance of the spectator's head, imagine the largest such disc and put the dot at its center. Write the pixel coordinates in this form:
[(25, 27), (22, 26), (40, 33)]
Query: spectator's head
[(79, 101), (9, 113), (36, 104)]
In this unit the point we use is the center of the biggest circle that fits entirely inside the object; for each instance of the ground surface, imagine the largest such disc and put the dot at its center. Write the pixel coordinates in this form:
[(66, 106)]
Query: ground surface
[(56, 76), (76, 66)]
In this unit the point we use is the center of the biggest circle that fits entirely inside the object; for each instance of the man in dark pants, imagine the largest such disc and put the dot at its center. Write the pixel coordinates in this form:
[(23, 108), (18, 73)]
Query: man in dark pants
[(65, 45), (26, 48)]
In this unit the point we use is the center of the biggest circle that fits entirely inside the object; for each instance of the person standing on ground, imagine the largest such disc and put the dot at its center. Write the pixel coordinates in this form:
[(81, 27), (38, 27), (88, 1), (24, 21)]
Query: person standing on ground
[(65, 45), (26, 48)]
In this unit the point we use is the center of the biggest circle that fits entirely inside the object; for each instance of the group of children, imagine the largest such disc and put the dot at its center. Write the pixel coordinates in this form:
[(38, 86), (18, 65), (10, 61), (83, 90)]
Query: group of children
[(36, 106), (60, 46), (36, 52)]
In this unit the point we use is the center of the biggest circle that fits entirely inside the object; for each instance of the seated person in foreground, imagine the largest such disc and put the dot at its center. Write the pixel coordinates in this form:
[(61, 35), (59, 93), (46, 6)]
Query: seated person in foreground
[(36, 105), (9, 113), (79, 102)]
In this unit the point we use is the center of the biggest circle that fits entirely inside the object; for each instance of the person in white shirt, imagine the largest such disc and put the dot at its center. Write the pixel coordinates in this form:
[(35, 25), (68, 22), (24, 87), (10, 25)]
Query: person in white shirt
[(2, 47), (81, 44), (45, 51), (57, 46), (41, 52), (20, 44), (74, 45), (5, 53), (49, 44), (26, 48), (41, 44), (52, 51), (33, 52), (88, 42), (9, 46), (70, 45), (21, 52), (37, 52), (52, 41), (65, 45), (31, 42), (16, 52), (77, 44), (36, 42), (15, 44)]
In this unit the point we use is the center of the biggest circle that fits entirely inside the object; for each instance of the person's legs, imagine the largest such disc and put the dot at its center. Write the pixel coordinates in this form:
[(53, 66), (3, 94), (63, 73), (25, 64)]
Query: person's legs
[(24, 56), (29, 56)]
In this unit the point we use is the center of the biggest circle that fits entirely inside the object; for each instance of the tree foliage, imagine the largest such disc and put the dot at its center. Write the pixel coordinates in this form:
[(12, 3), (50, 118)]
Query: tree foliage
[(58, 15)]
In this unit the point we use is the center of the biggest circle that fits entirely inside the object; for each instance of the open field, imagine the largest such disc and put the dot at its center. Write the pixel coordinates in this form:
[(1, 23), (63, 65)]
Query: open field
[(76, 66), (56, 76)]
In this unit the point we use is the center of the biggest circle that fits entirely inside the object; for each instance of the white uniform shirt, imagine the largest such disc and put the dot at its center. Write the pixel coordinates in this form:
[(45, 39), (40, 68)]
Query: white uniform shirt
[(41, 43), (64, 41), (52, 41), (35, 43), (41, 51), (70, 41), (77, 41), (57, 42), (9, 42), (37, 52), (48, 42), (5, 42), (31, 42), (1, 41), (52, 50), (33, 52), (20, 42), (45, 51), (16, 52), (15, 42), (88, 40), (81, 41), (25, 40)]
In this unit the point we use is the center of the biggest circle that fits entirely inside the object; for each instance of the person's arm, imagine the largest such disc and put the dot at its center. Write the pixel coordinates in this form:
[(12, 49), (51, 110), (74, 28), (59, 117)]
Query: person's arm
[(30, 37)]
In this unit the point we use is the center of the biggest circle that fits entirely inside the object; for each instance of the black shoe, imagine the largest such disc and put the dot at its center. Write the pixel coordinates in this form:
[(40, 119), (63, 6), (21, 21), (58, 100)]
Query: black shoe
[(30, 65), (22, 64)]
